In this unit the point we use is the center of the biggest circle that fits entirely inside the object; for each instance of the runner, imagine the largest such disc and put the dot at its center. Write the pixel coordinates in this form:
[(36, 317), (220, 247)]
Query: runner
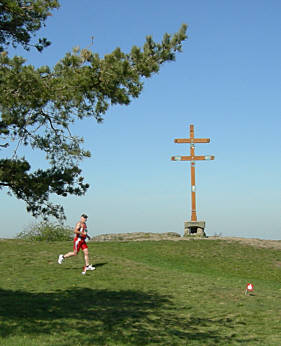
[(80, 243)]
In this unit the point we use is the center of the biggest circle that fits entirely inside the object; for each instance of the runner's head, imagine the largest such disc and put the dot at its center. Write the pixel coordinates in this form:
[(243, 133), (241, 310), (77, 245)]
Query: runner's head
[(84, 217)]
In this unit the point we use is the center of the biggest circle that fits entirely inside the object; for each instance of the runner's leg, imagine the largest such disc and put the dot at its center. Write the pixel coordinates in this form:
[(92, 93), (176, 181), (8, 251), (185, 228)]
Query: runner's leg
[(86, 256), (76, 248), (69, 254)]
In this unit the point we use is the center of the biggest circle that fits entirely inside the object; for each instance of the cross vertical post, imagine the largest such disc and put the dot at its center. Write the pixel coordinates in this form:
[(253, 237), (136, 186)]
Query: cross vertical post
[(193, 227), (192, 169)]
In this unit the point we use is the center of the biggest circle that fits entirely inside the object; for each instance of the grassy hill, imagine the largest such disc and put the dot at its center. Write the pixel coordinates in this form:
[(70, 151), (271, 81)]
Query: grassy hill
[(141, 293)]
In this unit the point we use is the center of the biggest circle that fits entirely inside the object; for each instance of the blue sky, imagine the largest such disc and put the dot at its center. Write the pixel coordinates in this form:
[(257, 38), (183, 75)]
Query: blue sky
[(227, 82)]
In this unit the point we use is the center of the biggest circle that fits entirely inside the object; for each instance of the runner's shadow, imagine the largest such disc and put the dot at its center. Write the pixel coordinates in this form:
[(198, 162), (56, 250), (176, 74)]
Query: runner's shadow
[(97, 265)]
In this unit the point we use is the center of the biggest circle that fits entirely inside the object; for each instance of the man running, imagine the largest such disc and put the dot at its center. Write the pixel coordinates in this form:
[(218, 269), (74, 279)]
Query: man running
[(80, 243)]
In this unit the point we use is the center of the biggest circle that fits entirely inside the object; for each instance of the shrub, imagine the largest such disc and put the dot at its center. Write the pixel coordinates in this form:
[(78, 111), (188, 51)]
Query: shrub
[(46, 231)]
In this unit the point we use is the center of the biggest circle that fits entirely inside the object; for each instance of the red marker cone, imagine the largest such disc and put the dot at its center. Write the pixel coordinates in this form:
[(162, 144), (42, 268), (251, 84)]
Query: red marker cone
[(249, 288)]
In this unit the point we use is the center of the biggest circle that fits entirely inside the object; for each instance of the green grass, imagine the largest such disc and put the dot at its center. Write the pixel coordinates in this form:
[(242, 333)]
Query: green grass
[(142, 293)]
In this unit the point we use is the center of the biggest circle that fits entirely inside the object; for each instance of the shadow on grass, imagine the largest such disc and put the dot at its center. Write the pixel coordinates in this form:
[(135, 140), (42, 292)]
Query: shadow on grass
[(97, 265), (104, 317)]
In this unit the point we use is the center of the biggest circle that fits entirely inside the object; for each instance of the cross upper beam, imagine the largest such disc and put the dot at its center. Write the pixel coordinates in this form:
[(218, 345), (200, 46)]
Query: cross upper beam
[(192, 140)]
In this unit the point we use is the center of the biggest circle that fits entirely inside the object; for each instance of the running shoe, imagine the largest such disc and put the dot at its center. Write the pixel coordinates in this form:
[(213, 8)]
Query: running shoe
[(61, 259), (90, 267)]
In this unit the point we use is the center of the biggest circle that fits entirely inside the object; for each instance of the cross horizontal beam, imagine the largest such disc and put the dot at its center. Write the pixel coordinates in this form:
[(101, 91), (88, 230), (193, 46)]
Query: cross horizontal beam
[(192, 158), (192, 140)]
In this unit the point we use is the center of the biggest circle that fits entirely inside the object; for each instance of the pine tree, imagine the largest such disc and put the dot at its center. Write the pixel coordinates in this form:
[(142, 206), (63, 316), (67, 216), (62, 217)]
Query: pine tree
[(38, 105)]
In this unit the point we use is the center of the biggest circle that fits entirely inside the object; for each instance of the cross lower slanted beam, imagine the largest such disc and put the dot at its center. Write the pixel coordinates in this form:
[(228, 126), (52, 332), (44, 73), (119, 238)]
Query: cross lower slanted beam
[(192, 158)]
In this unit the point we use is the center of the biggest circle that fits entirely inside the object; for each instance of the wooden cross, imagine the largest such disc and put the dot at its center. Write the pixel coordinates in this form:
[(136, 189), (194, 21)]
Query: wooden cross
[(192, 158)]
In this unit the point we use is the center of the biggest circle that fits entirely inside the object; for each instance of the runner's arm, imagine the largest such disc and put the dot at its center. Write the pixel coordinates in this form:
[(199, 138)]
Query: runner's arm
[(77, 229)]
